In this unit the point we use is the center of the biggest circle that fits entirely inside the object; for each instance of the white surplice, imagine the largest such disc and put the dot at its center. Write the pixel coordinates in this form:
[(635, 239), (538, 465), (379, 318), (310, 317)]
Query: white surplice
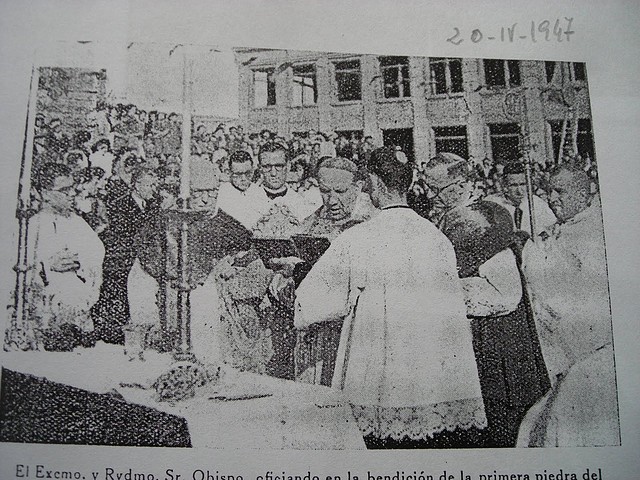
[(298, 205), (405, 361), (567, 277), (497, 289), (245, 206), (64, 297), (566, 274)]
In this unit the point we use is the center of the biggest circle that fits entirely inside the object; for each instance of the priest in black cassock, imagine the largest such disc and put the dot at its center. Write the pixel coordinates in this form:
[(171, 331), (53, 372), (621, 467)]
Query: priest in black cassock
[(512, 371), (214, 238)]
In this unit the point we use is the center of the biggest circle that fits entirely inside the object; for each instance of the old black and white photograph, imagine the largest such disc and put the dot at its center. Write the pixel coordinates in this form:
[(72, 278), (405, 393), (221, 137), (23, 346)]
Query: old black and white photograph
[(259, 248)]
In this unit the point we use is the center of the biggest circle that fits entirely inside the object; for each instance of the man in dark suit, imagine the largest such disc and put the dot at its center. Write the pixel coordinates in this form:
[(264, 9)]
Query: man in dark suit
[(127, 211)]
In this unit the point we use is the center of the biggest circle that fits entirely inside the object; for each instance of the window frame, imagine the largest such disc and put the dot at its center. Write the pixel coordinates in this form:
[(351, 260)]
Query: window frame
[(585, 137), (440, 137), (303, 86), (448, 82), (338, 71), (401, 63), (517, 134), (506, 71), (269, 83), (570, 69)]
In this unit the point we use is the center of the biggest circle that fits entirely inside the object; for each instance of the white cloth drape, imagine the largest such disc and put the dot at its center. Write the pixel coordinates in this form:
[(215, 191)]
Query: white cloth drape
[(206, 330)]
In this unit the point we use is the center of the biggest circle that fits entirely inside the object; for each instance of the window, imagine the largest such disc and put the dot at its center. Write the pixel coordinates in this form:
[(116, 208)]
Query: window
[(502, 73), (584, 140), (577, 71), (505, 142), (348, 80), (264, 88), (395, 76), (549, 69), (452, 140), (305, 90), (446, 75), (399, 137)]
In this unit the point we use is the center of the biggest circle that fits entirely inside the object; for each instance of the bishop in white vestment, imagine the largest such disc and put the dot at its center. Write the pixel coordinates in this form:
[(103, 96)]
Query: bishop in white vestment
[(567, 275)]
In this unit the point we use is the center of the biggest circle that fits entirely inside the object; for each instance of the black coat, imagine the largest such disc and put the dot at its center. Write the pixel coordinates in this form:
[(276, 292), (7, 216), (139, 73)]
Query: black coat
[(513, 375)]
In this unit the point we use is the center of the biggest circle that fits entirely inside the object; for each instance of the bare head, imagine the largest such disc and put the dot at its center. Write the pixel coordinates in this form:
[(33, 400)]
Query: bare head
[(273, 165), (241, 170), (340, 184), (570, 192), (514, 183), (57, 188)]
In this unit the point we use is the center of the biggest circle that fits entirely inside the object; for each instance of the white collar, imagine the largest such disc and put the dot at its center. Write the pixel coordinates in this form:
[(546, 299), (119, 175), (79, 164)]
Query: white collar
[(284, 188)]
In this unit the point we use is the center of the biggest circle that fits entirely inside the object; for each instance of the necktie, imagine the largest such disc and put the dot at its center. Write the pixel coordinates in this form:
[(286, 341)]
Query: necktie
[(517, 217)]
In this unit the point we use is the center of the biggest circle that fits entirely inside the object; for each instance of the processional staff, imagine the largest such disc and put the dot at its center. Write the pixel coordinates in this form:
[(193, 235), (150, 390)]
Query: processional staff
[(183, 350), (16, 337), (515, 107), (528, 177)]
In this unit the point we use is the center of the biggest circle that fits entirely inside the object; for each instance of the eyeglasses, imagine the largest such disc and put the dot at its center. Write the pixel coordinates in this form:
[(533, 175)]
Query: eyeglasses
[(437, 190), (241, 174), (209, 193), (276, 167), (68, 191)]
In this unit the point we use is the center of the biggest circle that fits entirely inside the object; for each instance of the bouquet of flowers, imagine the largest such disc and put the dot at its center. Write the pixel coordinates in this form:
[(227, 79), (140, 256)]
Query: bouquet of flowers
[(181, 382)]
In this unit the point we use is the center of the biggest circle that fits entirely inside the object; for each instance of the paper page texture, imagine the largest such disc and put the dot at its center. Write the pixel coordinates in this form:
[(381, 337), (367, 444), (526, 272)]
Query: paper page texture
[(253, 240)]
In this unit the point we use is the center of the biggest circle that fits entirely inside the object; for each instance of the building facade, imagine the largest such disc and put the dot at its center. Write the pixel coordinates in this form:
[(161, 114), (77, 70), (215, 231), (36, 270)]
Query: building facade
[(495, 109)]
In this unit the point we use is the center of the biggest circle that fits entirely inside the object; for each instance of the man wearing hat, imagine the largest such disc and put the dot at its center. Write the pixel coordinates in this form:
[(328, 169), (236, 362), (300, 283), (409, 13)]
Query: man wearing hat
[(405, 361)]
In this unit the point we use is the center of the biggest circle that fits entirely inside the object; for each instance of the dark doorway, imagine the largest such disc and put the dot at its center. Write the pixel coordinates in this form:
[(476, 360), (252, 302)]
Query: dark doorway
[(400, 137)]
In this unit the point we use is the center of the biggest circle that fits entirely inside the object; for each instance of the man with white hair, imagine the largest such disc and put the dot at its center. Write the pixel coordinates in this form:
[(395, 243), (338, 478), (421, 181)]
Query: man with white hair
[(344, 206), (344, 203), (224, 324), (566, 272)]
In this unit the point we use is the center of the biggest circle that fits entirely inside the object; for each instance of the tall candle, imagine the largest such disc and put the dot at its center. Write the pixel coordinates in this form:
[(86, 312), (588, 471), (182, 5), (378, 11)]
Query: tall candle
[(187, 103)]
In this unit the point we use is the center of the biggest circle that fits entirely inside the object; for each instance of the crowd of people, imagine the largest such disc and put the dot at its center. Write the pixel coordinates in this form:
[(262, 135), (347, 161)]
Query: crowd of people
[(449, 305)]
